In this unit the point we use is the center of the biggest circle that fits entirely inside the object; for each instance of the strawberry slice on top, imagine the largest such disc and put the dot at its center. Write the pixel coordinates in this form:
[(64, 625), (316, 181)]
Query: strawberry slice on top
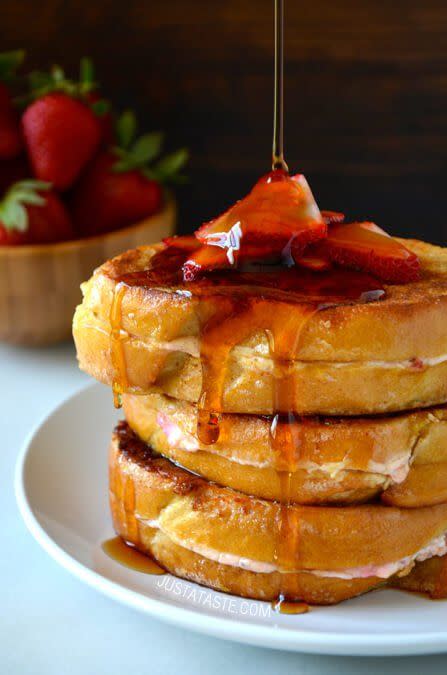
[(279, 222), (279, 210), (367, 247)]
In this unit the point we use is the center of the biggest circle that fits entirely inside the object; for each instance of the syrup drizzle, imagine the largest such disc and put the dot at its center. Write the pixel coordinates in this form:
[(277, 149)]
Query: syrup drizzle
[(258, 298), (278, 161), (273, 299), (120, 380), (127, 555), (440, 589)]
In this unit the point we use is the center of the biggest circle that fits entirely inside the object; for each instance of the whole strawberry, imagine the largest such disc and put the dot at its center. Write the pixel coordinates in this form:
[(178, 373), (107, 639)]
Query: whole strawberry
[(31, 213), (105, 200), (11, 142), (63, 126), (61, 135), (119, 188)]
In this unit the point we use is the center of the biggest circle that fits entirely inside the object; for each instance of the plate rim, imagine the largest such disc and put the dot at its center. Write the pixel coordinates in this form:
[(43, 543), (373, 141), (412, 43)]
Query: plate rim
[(228, 628)]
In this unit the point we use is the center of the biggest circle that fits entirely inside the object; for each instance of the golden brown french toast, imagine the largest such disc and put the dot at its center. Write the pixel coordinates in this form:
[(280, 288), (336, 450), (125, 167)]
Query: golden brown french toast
[(230, 541), (351, 358), (400, 458)]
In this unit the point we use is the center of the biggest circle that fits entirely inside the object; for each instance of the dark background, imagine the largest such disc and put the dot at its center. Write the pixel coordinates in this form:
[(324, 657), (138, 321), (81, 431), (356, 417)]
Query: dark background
[(366, 93)]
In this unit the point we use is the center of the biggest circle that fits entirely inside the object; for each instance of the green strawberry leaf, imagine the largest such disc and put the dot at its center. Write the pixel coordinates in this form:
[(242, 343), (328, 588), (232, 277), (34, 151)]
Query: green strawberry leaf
[(13, 213), (167, 167), (100, 107), (39, 79), (9, 62), (86, 72), (32, 184), (138, 154), (126, 128), (42, 83), (147, 147)]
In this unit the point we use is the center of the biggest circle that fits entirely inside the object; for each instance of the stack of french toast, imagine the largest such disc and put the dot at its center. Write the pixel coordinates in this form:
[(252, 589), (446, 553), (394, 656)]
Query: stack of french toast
[(285, 430)]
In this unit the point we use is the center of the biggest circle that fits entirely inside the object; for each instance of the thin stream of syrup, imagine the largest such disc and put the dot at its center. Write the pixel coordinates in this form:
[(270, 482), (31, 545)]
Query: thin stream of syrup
[(118, 358), (278, 161)]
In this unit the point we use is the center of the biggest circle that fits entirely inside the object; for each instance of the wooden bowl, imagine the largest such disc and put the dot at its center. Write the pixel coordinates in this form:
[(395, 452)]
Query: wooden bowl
[(39, 285)]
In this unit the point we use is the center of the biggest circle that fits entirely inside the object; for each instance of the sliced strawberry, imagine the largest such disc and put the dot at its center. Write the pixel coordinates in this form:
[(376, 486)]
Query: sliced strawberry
[(206, 258), (314, 261), (185, 243), (332, 217), (279, 209), (367, 247)]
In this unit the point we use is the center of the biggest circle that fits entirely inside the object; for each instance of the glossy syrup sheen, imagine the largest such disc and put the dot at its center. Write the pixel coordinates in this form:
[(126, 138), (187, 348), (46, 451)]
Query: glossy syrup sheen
[(117, 549), (271, 298), (287, 607)]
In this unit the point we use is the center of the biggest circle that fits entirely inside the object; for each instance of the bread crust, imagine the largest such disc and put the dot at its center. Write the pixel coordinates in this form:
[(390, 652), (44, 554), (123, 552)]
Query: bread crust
[(165, 511), (348, 354), (401, 458)]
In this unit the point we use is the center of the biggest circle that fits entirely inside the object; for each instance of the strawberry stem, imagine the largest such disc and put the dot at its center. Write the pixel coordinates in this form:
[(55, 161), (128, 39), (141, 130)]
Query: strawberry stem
[(9, 62), (13, 214), (138, 153)]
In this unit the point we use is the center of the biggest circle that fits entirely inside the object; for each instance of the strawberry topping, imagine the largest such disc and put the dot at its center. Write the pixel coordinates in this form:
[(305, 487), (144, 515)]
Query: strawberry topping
[(367, 247), (278, 209), (279, 222)]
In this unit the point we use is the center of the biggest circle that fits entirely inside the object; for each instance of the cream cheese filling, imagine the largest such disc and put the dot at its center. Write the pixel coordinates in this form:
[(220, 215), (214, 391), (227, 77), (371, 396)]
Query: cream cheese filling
[(396, 469), (190, 344), (436, 547)]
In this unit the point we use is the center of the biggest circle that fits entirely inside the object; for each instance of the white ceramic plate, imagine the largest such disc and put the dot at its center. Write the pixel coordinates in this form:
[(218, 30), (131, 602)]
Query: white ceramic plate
[(61, 488)]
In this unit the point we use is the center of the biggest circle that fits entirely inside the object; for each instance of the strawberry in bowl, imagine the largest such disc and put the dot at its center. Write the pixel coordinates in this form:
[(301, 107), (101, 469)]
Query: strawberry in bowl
[(76, 186)]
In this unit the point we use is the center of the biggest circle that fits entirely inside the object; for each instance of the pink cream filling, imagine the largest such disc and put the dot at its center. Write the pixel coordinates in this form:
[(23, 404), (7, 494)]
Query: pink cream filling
[(396, 469)]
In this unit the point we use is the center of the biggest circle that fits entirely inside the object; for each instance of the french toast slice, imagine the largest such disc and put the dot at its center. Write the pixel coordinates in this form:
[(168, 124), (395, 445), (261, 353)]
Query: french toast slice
[(230, 541), (352, 358), (401, 459)]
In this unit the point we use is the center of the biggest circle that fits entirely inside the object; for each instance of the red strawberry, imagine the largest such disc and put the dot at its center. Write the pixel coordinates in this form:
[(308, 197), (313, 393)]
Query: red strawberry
[(31, 213), (119, 187), (101, 108), (208, 258), (105, 200), (367, 247), (205, 259), (11, 142), (62, 135), (314, 260), (186, 243), (279, 211)]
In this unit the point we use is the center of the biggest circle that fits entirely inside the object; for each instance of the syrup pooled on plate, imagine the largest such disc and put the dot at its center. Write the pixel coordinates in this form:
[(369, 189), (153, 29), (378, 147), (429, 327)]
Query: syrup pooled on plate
[(127, 555), (286, 607)]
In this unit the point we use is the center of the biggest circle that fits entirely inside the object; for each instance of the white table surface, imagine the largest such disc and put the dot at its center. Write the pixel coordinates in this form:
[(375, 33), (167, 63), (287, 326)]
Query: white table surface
[(50, 623)]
